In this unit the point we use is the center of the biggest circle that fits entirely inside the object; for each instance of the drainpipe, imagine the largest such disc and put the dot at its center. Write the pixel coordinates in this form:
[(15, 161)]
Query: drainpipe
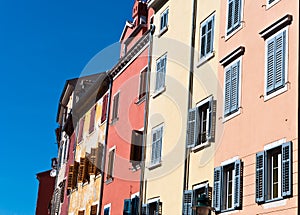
[(190, 98), (146, 113), (105, 143)]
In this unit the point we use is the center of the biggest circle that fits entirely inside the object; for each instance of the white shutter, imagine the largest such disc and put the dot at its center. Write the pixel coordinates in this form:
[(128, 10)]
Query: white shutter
[(192, 130)]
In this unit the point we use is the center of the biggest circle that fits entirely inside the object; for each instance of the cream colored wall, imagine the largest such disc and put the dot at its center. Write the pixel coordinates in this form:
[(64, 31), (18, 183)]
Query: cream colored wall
[(205, 85), (170, 107)]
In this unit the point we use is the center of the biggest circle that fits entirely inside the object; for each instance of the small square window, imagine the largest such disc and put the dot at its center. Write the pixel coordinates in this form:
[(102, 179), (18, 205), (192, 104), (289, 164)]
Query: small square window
[(164, 20)]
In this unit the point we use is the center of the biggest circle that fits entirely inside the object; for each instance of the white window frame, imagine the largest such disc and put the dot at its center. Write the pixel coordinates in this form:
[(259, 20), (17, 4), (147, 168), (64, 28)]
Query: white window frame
[(163, 29), (285, 88), (238, 112), (152, 164), (232, 186), (272, 4), (212, 53), (240, 27), (107, 206)]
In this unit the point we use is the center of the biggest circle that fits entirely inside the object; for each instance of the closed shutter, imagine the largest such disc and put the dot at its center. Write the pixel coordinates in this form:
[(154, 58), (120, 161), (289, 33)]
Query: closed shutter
[(227, 94), (212, 120), (111, 158), (160, 73), (70, 176), (145, 209), (233, 15), (260, 175), (94, 210), (99, 158), (193, 128), (104, 108), (287, 169), (217, 188), (238, 184), (276, 53), (127, 207), (158, 210), (92, 119), (143, 78), (188, 202), (235, 87), (62, 191), (81, 170), (80, 131), (163, 71), (92, 165), (156, 145), (116, 106), (136, 146), (75, 175), (158, 77)]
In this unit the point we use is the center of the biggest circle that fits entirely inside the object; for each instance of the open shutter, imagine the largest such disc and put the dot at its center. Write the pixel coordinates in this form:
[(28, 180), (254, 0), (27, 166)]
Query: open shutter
[(145, 209), (280, 41), (227, 94), (92, 119), (260, 176), (158, 210), (75, 175), (116, 106), (62, 191), (86, 176), (287, 169), (217, 188), (81, 170), (193, 129), (212, 120), (104, 108), (99, 159), (188, 202), (235, 70), (70, 176), (158, 76), (80, 131), (270, 66), (238, 184), (135, 205), (127, 207), (208, 192)]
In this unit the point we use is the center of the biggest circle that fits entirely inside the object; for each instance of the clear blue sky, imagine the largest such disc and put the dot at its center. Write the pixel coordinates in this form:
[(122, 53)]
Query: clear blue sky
[(42, 44)]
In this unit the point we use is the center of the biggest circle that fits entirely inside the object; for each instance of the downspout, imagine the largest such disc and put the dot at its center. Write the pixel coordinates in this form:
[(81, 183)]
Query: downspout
[(190, 98), (105, 143), (146, 113)]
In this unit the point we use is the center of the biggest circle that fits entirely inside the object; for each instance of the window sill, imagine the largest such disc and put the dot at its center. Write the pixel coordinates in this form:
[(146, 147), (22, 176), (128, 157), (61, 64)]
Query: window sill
[(90, 134), (229, 211), (229, 117), (163, 31), (158, 92), (203, 60), (276, 93), (227, 37), (154, 166), (274, 203), (114, 121), (97, 176), (109, 180), (85, 183), (139, 101), (201, 146), (101, 123)]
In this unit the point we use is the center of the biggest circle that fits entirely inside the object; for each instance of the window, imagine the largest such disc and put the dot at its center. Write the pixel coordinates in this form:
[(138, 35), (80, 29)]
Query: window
[(81, 212), (136, 148), (191, 197), (143, 79), (234, 14), (276, 68), (72, 176), (164, 20), (107, 209), (232, 88), (160, 73), (94, 210), (92, 119), (116, 107), (270, 3), (274, 173), (157, 134), (153, 207), (207, 37), (131, 206), (104, 108), (201, 123), (80, 129), (111, 160), (228, 186)]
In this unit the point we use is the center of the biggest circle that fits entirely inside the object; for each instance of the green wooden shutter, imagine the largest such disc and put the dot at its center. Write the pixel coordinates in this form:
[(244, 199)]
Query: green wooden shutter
[(270, 66), (280, 60), (127, 207), (235, 70), (227, 94), (192, 128), (188, 202), (260, 176), (217, 189), (238, 184), (287, 169)]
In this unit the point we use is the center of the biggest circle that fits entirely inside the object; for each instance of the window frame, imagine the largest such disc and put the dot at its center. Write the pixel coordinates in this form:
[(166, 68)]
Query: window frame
[(163, 29), (285, 88), (207, 56), (236, 113), (107, 206), (228, 35)]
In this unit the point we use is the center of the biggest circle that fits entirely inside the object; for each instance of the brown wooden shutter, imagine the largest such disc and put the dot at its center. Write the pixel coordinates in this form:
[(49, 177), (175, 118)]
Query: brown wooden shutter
[(99, 159), (104, 108), (94, 210), (92, 119), (70, 177), (92, 165), (75, 175), (80, 131)]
